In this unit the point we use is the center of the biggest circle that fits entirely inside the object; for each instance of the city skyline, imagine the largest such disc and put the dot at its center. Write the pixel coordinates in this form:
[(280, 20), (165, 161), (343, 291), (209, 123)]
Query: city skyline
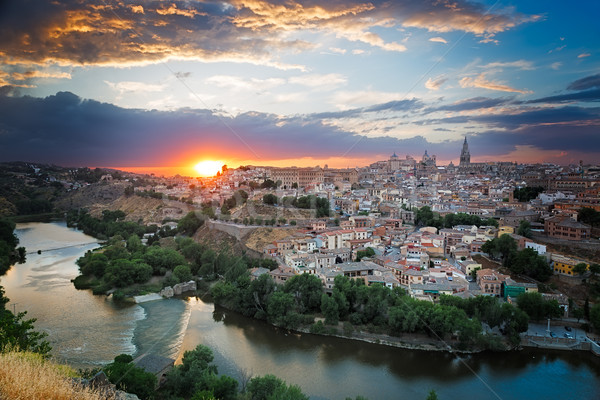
[(160, 85)]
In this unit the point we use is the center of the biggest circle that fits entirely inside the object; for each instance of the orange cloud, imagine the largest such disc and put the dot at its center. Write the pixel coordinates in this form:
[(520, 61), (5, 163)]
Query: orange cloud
[(480, 81)]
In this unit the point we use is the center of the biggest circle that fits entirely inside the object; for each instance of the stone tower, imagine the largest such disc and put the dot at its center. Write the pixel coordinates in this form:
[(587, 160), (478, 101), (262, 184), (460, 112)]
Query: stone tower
[(465, 156)]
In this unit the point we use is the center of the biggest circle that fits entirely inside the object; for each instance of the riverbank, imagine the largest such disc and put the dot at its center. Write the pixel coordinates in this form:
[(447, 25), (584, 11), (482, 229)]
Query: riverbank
[(409, 341)]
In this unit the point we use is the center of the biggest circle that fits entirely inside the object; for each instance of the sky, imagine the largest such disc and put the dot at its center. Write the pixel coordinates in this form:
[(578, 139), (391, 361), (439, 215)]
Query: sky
[(166, 84)]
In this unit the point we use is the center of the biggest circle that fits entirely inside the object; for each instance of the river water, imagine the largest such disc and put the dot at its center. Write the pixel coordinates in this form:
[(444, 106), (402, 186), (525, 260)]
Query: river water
[(87, 330)]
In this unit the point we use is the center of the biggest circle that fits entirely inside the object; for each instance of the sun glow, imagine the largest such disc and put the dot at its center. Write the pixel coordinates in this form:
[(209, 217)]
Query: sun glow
[(208, 168)]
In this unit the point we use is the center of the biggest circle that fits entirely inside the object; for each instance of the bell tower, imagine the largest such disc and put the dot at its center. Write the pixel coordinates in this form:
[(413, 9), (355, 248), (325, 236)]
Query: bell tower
[(465, 156)]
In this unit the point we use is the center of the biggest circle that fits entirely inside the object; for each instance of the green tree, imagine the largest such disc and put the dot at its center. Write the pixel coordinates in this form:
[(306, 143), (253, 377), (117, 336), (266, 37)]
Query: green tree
[(529, 262), (280, 309), (16, 332), (134, 244), (196, 375), (268, 184), (536, 307), (307, 290), (594, 269), (330, 309), (162, 259), (270, 199), (189, 224), (580, 268), (595, 316), (527, 193), (368, 252), (524, 229), (578, 313), (432, 395), (503, 247), (269, 387), (130, 378), (182, 273), (589, 216)]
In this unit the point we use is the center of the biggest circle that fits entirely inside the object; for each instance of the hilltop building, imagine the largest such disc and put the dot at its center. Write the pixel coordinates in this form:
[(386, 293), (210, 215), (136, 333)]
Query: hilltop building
[(465, 156)]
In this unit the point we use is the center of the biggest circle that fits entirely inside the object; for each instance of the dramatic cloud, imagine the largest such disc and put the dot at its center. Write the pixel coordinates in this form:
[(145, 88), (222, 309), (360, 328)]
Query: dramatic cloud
[(70, 131), (117, 33), (480, 81), (588, 82), (585, 96)]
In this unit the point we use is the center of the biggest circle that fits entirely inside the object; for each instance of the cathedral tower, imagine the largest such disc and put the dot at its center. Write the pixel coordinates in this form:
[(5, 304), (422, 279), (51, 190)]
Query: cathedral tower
[(465, 156)]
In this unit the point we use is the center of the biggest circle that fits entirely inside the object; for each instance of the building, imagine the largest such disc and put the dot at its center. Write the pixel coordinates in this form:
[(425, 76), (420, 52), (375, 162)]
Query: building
[(564, 265), (513, 289), (564, 227), (465, 156), (157, 365), (298, 177), (490, 282)]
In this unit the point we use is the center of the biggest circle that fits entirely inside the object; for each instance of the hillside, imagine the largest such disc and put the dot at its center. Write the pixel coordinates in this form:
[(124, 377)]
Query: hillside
[(257, 209), (28, 376), (110, 196), (261, 237)]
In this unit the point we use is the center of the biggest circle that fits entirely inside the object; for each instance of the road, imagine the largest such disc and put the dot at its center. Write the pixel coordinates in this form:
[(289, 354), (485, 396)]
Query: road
[(536, 329)]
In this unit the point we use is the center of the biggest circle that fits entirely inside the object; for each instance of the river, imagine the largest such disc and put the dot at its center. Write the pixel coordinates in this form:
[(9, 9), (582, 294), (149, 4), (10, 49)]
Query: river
[(87, 330)]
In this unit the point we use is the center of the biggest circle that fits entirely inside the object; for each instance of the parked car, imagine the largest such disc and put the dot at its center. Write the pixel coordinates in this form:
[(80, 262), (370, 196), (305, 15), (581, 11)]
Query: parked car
[(568, 335), (568, 328), (552, 334)]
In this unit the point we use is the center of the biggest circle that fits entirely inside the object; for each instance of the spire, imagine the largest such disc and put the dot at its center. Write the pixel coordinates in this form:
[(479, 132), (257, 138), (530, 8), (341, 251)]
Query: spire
[(465, 156)]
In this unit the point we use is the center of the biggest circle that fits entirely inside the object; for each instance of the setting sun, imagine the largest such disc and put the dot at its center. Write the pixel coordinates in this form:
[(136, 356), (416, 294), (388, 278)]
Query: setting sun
[(208, 168)]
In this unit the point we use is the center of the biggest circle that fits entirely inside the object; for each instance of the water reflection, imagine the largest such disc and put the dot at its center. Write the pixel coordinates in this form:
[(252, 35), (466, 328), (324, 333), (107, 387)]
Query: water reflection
[(378, 371)]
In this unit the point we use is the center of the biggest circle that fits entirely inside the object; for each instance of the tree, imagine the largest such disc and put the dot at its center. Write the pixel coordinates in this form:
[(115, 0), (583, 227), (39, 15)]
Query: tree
[(307, 290), (502, 247), (536, 307), (595, 316), (432, 395), (524, 229), (578, 313), (182, 273), (270, 199), (268, 184), (130, 378), (272, 388), (9, 254), (329, 308), (134, 244), (17, 332), (586, 309), (189, 224), (278, 307), (527, 193), (580, 268), (368, 252), (197, 374), (594, 269), (529, 262), (589, 216)]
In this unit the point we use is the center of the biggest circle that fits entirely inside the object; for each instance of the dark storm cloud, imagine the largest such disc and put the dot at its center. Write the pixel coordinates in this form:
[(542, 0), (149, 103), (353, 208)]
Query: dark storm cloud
[(70, 131), (585, 96), (588, 82)]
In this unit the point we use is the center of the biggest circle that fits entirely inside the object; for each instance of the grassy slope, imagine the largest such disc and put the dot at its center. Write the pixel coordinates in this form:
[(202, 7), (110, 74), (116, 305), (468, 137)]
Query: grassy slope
[(28, 376)]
